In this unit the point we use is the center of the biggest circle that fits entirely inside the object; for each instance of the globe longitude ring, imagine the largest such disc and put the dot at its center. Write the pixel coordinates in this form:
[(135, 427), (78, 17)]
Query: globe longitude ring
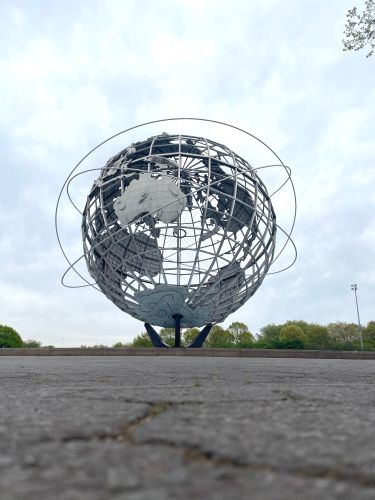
[(179, 230)]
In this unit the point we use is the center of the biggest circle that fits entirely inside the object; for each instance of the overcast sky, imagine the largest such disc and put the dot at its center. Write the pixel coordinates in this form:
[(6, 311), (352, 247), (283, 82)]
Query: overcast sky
[(73, 73)]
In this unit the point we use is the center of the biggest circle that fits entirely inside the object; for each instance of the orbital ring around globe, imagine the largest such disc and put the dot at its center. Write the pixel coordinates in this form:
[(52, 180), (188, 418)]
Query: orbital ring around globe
[(178, 224)]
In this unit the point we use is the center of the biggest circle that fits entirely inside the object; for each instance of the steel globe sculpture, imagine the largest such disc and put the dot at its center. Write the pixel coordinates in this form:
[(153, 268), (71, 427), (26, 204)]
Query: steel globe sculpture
[(178, 231)]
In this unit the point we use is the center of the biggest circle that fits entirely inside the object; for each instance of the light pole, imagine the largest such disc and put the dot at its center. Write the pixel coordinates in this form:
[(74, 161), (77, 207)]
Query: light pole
[(354, 288)]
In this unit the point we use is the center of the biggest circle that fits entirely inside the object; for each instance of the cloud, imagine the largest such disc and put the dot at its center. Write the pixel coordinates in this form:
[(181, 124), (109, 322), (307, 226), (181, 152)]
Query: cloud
[(73, 74)]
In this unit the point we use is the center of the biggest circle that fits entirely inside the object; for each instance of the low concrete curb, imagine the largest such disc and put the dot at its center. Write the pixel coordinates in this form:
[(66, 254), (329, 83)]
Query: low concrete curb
[(152, 351)]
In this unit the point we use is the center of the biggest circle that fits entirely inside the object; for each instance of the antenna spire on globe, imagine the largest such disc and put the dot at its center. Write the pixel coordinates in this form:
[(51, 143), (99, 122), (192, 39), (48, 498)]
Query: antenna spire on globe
[(178, 230)]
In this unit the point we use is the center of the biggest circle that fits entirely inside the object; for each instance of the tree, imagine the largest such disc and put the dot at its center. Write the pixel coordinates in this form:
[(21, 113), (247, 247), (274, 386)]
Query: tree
[(32, 344), (302, 335), (369, 335), (292, 332), (9, 337), (298, 322), (245, 339), (343, 333), (219, 337), (360, 28), (241, 335), (167, 335), (269, 333), (142, 340), (316, 337), (119, 345), (189, 335)]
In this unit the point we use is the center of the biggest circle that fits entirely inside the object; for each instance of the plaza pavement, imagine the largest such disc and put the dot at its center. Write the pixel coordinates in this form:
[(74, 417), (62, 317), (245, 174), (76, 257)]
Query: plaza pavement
[(155, 428)]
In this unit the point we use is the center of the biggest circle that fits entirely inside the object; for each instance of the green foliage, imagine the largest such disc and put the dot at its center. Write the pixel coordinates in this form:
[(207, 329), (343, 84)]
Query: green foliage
[(32, 344), (343, 333), (189, 335), (289, 343), (168, 335), (291, 337), (218, 337), (344, 346), (9, 337), (241, 335), (95, 346), (142, 340), (292, 332), (298, 322), (269, 334), (119, 345), (369, 334), (316, 337), (360, 28), (245, 340), (264, 344)]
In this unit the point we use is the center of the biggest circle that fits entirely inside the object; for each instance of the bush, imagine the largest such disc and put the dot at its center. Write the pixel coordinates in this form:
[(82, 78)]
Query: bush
[(32, 344), (9, 337), (142, 340), (245, 345), (344, 346), (260, 343), (292, 343), (119, 345), (279, 344)]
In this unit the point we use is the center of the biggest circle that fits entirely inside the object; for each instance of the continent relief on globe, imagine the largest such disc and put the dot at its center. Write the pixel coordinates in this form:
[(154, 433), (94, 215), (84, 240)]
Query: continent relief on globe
[(148, 194)]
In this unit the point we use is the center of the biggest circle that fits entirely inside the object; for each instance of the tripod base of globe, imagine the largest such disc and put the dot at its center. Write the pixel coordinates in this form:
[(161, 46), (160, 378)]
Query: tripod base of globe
[(177, 329), (157, 341)]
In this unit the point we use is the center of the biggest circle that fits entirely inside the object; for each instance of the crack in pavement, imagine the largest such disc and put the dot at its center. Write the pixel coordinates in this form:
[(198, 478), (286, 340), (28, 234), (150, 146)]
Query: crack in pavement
[(124, 433), (194, 453)]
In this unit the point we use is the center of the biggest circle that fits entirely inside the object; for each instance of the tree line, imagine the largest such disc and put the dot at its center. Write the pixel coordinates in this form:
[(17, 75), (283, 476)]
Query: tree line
[(297, 334)]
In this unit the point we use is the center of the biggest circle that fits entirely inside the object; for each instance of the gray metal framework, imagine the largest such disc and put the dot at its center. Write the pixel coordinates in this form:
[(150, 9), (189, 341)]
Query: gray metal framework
[(178, 225)]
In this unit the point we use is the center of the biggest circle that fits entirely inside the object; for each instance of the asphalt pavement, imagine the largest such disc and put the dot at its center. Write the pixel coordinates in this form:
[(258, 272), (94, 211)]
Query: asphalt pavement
[(150, 428)]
